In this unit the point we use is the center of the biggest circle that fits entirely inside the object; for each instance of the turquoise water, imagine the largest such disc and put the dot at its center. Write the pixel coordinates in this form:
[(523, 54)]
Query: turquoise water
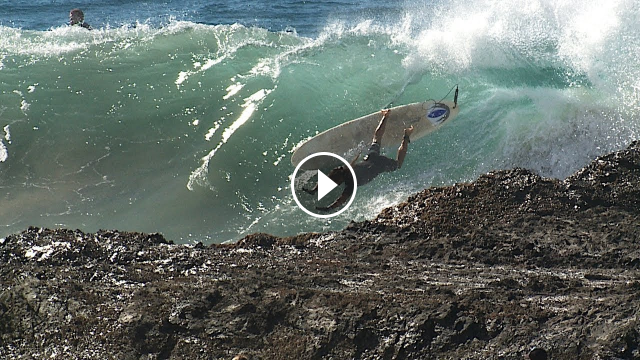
[(184, 124)]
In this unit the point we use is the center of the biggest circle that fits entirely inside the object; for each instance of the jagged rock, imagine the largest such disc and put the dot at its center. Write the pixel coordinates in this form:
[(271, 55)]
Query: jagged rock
[(482, 270)]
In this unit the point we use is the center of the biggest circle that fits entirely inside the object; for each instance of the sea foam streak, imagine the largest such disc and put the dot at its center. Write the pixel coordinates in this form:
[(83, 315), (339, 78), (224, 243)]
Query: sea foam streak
[(199, 176)]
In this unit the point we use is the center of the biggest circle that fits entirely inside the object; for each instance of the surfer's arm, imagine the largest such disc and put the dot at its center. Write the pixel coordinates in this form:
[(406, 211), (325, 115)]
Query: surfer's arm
[(404, 146), (377, 136)]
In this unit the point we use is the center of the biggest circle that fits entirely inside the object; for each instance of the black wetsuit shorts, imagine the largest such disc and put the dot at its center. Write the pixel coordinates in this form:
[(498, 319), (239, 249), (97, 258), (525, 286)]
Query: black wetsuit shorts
[(374, 149)]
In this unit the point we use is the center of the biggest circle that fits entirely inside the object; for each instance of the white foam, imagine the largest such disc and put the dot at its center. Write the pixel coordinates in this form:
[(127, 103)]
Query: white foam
[(199, 175), (212, 131), (24, 105), (249, 107), (486, 33), (226, 50), (232, 90), (4, 153), (559, 132)]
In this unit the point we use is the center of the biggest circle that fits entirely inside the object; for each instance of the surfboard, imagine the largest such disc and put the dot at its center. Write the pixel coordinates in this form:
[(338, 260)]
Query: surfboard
[(353, 137)]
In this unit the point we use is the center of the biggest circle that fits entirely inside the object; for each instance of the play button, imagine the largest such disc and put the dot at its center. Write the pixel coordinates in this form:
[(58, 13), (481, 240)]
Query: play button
[(325, 185), (322, 193)]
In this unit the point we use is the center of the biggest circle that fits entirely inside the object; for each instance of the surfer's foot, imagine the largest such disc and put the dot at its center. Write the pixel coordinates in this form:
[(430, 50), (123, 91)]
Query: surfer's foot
[(408, 131)]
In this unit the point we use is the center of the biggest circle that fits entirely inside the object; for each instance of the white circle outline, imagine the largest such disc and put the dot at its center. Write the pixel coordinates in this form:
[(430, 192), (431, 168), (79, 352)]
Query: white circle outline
[(293, 179)]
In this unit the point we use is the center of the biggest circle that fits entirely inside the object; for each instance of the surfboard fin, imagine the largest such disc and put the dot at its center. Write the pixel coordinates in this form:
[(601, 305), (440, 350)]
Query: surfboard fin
[(455, 98)]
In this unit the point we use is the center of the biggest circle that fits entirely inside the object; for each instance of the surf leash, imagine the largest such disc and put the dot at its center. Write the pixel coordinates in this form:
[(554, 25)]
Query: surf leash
[(455, 95), (411, 80)]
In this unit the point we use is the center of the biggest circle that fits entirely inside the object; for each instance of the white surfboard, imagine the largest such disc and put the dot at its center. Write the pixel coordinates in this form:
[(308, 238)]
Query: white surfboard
[(355, 136)]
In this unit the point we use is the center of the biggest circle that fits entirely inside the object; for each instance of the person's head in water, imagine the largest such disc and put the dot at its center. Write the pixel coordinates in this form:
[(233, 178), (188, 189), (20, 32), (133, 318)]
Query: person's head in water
[(76, 17)]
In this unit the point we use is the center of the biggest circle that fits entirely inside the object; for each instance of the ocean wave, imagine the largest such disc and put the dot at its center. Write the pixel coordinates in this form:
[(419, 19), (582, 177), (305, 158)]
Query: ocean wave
[(192, 123)]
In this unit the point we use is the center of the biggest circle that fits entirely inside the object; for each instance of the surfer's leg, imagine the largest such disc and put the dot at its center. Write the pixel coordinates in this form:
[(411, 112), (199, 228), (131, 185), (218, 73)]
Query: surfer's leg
[(312, 190), (346, 195), (377, 136), (338, 175), (402, 150)]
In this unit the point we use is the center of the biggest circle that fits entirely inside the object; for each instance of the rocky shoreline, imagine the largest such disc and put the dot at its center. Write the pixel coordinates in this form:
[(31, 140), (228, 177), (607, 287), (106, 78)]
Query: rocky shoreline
[(482, 270)]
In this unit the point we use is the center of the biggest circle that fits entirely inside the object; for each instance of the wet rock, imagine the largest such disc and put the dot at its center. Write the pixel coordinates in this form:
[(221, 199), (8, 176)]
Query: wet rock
[(537, 354), (482, 270)]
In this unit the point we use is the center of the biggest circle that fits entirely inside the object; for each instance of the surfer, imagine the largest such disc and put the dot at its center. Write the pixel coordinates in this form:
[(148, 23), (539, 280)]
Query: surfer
[(76, 17), (373, 164)]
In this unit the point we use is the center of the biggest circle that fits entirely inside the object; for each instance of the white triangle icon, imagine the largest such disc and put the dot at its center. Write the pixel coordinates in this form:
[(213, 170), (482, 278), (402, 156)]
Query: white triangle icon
[(325, 185)]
